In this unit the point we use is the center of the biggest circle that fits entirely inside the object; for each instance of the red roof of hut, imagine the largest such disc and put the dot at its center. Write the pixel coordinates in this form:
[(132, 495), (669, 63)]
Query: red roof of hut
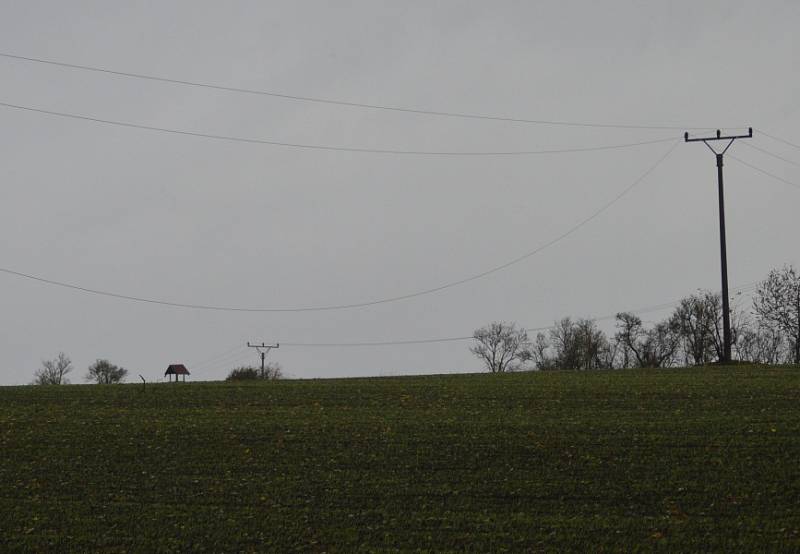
[(176, 369)]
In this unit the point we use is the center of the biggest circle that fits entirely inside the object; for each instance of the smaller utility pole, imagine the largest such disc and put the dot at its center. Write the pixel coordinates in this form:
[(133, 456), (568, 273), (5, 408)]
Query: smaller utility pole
[(726, 311), (263, 349)]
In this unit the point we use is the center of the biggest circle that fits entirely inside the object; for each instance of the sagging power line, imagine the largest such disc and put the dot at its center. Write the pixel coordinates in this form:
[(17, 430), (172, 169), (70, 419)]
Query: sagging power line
[(764, 171), (350, 104), (364, 304), (772, 154), (226, 356), (436, 340), (326, 147), (773, 137)]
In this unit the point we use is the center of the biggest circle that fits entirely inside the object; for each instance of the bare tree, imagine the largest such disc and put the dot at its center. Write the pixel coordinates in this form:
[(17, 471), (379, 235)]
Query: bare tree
[(594, 350), (564, 341), (608, 354), (698, 321), (580, 345), (762, 344), (539, 353), (104, 372), (777, 303), (501, 346), (653, 347), (693, 322), (53, 372)]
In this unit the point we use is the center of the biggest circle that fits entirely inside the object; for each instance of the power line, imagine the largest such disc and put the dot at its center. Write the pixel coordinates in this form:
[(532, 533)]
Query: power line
[(355, 305), (765, 172), (319, 100), (376, 343), (773, 137), (229, 138), (768, 153), (234, 351), (225, 362), (236, 360), (646, 309)]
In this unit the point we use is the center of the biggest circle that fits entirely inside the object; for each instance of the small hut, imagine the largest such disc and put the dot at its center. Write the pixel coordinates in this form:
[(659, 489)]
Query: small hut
[(176, 370)]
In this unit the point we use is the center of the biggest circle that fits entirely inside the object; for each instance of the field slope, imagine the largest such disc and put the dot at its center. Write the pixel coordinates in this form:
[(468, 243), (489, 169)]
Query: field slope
[(701, 459)]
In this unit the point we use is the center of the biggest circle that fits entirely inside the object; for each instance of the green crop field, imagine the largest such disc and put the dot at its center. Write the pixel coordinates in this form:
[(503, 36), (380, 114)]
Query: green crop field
[(671, 460)]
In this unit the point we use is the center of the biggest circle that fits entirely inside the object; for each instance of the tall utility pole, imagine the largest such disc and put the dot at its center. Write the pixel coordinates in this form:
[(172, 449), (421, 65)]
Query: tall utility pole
[(263, 349), (726, 310)]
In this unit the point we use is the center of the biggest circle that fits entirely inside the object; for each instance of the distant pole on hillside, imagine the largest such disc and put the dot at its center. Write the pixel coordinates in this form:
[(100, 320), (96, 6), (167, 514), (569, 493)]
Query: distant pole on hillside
[(263, 349), (726, 312)]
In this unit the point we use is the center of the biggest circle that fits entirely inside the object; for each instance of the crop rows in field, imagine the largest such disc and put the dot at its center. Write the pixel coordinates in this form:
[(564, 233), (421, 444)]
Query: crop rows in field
[(682, 459)]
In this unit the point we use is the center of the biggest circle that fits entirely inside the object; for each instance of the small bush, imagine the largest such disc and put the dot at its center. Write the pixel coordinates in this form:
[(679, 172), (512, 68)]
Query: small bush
[(250, 373)]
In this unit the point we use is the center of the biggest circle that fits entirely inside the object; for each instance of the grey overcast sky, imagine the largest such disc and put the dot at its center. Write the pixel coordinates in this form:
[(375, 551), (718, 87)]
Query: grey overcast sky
[(200, 221)]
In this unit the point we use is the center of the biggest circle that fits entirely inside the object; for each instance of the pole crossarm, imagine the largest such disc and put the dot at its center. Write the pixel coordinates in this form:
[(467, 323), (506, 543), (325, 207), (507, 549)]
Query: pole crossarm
[(729, 138), (263, 345), (717, 137)]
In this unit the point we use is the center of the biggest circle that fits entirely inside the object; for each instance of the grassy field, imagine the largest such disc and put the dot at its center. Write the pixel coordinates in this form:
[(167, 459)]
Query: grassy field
[(673, 460)]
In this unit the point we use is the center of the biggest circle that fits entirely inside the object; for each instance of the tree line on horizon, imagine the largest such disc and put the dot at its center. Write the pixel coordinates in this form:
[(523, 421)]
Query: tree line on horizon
[(691, 335), (103, 372), (55, 371)]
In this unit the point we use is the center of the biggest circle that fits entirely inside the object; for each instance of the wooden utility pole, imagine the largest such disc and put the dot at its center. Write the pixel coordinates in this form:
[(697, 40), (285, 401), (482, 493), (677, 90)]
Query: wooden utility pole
[(726, 311)]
